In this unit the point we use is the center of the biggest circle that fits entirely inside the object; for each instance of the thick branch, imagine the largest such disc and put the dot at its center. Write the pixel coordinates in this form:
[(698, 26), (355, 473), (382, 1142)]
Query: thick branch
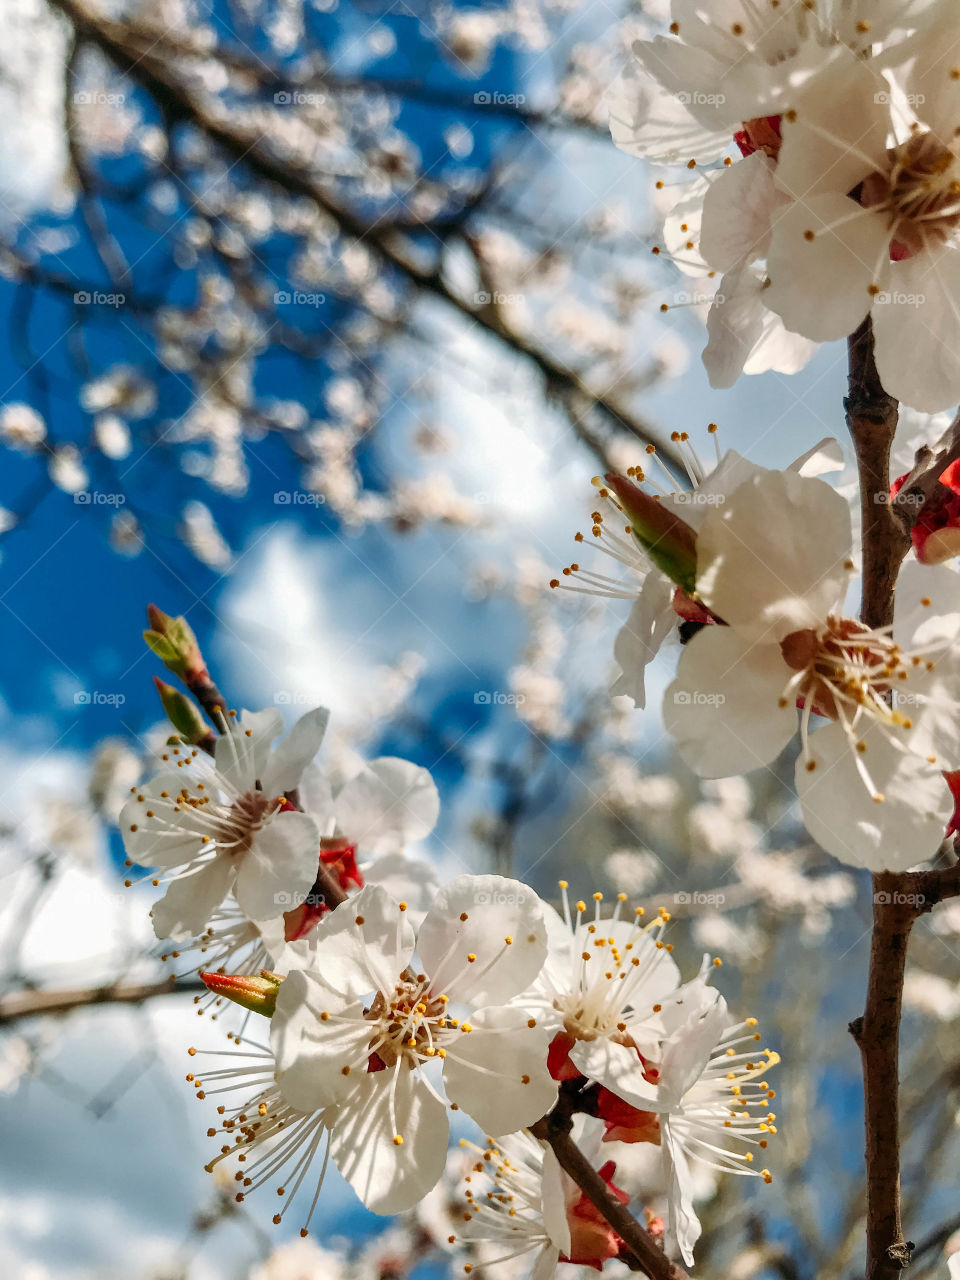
[(872, 422), (555, 1129)]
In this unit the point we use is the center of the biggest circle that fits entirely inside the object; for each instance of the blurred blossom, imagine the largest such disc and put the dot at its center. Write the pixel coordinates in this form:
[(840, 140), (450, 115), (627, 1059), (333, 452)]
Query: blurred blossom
[(300, 1260), (21, 427), (121, 388), (633, 871), (112, 435), (67, 470), (202, 536)]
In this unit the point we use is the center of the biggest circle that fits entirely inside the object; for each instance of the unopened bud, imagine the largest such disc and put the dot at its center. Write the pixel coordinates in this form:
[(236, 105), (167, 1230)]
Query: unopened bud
[(258, 994), (182, 712), (174, 643), (667, 539)]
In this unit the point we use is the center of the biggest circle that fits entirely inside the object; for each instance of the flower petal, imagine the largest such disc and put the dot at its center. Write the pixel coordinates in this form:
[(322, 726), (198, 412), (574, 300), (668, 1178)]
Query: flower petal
[(737, 212), (617, 1067), (552, 1201), (916, 325), (639, 639), (409, 880), (474, 916), (170, 836), (828, 259), (389, 803), (288, 760), (497, 1073), (390, 1177), (683, 1225), (364, 945), (185, 909), (774, 558), (241, 753), (841, 815), (645, 121), (724, 708), (282, 860), (311, 1053)]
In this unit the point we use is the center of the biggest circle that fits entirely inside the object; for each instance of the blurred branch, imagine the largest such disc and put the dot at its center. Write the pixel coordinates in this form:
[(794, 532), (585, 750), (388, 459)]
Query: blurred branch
[(32, 1004), (180, 104)]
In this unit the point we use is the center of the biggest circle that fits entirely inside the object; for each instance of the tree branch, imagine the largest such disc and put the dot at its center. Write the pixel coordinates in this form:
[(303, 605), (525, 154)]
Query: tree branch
[(555, 1129), (32, 1004), (872, 421)]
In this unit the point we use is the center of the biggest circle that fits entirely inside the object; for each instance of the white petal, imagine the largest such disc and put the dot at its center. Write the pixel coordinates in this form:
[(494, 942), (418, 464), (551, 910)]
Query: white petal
[(485, 1069), (389, 803), (737, 212), (389, 1178), (723, 710), (681, 230), (734, 326), (618, 1068), (824, 457), (241, 759), (839, 134), (171, 836), (185, 909), (365, 944), (409, 880), (282, 860), (683, 1225), (310, 1053), (828, 259), (688, 1048), (916, 324), (288, 760), (839, 812), (553, 1208), (639, 639), (771, 559), (646, 121), (474, 915)]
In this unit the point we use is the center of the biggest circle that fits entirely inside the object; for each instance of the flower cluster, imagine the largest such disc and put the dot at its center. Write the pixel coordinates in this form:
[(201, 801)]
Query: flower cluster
[(402, 1002), (826, 139), (771, 652)]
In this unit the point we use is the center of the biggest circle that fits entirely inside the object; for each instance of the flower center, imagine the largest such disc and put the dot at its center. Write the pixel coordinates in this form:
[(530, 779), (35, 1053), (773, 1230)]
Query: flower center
[(411, 1024), (844, 667), (920, 191)]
